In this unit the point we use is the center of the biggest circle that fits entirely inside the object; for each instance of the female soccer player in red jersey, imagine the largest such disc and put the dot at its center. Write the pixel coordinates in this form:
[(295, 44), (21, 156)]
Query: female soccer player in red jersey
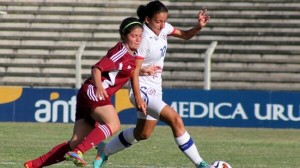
[(96, 118), (146, 91)]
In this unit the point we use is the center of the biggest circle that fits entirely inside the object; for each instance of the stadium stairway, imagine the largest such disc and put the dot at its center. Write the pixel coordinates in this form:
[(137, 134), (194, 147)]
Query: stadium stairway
[(258, 42)]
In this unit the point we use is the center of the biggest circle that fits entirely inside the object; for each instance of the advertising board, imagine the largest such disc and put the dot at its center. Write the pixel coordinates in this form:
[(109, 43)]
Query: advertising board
[(224, 108)]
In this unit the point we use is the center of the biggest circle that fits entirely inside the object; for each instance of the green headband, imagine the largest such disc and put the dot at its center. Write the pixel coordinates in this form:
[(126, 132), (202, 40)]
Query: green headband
[(129, 24)]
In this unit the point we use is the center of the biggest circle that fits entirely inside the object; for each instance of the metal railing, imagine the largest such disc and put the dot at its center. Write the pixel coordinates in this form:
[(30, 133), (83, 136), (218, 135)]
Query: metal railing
[(207, 63), (78, 72)]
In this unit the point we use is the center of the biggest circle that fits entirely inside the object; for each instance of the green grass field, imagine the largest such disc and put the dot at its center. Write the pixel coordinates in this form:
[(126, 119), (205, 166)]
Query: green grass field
[(241, 147)]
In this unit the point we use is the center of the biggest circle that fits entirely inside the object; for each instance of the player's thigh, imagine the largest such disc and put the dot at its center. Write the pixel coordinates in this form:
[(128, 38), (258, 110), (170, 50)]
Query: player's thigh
[(107, 115), (80, 131), (155, 104), (169, 116)]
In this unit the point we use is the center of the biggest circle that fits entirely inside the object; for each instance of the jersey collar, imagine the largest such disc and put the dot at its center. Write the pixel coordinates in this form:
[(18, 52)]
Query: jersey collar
[(149, 31)]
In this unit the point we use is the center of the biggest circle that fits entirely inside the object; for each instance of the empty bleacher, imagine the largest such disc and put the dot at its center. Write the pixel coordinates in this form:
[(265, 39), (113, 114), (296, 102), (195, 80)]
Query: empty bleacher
[(39, 38), (258, 42)]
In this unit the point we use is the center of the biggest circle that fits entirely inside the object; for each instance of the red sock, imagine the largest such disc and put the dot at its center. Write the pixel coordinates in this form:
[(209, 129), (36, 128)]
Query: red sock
[(97, 135), (55, 155)]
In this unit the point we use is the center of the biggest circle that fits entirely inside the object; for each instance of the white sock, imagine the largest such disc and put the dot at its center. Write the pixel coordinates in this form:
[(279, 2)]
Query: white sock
[(187, 146), (124, 140)]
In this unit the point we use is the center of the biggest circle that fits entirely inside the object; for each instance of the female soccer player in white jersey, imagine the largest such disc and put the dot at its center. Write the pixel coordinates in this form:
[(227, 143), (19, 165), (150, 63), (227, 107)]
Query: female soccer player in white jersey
[(96, 118), (146, 90)]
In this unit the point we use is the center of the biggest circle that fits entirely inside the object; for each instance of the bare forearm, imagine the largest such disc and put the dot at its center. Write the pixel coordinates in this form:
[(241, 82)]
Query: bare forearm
[(96, 73), (135, 85), (191, 32)]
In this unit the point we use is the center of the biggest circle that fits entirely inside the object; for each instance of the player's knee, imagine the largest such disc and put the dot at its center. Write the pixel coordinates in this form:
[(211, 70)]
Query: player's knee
[(114, 127), (177, 122)]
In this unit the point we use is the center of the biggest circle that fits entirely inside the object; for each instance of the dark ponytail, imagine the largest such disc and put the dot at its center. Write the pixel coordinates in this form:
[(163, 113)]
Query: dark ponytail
[(142, 12), (151, 9)]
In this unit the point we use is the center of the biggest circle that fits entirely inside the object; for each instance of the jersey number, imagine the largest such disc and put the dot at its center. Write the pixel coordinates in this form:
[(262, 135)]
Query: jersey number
[(163, 51), (112, 75)]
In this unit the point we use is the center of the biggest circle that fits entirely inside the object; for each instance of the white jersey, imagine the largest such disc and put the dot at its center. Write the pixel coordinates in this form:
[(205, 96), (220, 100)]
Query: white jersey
[(153, 49)]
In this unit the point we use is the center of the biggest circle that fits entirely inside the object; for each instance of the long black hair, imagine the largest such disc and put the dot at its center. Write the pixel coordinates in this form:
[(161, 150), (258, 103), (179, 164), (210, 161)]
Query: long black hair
[(150, 10)]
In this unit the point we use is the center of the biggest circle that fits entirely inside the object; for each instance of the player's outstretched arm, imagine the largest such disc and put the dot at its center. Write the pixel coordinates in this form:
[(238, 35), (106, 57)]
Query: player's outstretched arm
[(203, 19)]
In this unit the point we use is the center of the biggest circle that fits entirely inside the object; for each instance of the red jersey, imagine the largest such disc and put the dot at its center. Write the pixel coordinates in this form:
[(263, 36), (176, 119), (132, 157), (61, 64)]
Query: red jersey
[(116, 68)]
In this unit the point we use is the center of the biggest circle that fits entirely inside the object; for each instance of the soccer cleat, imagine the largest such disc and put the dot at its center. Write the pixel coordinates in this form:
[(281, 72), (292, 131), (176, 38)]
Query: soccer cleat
[(100, 158), (203, 164), (28, 164), (76, 158)]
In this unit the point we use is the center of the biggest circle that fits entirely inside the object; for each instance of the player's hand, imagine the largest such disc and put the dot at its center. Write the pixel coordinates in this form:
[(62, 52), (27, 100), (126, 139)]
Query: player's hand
[(141, 106), (101, 93), (150, 70), (203, 18)]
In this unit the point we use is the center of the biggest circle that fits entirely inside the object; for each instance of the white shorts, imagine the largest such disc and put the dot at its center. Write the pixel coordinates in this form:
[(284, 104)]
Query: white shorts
[(154, 101)]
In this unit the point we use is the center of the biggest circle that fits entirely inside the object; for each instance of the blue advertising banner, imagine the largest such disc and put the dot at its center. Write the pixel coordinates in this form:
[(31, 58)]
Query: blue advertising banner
[(225, 108), (237, 108), (37, 104)]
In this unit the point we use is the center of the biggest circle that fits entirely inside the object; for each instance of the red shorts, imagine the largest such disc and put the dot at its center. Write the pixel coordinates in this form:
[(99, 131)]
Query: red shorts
[(87, 102)]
